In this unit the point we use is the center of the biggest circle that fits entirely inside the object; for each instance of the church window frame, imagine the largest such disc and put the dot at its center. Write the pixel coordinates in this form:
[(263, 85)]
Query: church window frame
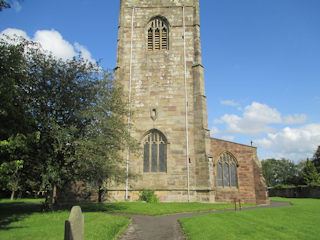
[(155, 151), (227, 173), (158, 34)]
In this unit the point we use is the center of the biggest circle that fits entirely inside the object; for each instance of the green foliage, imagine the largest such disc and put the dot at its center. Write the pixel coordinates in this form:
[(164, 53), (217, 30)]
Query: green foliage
[(98, 151), (68, 114), (58, 94), (280, 172), (316, 159), (4, 4), (15, 85), (14, 154), (279, 186), (18, 133), (285, 172), (316, 155), (310, 174), (299, 221), (9, 174), (148, 196)]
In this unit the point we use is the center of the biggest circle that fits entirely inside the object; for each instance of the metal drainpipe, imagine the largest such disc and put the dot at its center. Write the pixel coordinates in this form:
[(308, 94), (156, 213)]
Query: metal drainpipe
[(186, 104), (129, 105)]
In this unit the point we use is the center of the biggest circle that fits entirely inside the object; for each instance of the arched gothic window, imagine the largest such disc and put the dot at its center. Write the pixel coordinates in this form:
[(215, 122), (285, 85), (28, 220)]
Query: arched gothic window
[(227, 171), (155, 152), (158, 34)]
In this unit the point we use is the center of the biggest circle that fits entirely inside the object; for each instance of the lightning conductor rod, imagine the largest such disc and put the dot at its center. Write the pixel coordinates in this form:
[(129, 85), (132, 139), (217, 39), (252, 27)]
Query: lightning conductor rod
[(186, 104), (129, 106)]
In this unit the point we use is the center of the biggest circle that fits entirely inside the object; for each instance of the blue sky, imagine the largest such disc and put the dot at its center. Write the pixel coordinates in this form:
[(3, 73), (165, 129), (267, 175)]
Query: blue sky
[(261, 59)]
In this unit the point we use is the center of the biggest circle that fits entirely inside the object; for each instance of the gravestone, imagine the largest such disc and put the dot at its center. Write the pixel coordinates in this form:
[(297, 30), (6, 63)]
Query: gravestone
[(74, 227)]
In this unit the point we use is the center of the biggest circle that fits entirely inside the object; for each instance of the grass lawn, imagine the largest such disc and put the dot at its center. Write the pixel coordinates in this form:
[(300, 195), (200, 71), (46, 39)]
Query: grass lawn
[(24, 200), (23, 219), (156, 209), (300, 221), (20, 221)]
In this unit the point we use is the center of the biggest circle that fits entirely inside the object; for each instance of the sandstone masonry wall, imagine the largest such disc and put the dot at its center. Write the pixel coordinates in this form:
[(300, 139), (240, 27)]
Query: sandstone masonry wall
[(157, 82), (251, 187)]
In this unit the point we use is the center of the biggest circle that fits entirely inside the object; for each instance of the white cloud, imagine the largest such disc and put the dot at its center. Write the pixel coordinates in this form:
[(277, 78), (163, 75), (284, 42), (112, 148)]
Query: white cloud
[(52, 41), (295, 119), (16, 6), (261, 113), (231, 103), (278, 138), (218, 121), (215, 132), (256, 120), (247, 126), (84, 52), (292, 143), (11, 32)]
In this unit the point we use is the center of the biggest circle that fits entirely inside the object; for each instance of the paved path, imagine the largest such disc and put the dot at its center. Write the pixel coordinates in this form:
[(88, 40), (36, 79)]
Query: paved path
[(167, 227)]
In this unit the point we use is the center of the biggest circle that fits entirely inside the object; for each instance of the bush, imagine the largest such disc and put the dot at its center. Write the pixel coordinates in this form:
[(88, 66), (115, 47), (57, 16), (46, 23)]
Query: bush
[(149, 196)]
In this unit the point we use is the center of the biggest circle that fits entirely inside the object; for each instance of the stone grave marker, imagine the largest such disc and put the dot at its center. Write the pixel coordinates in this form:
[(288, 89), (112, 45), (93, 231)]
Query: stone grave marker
[(74, 227)]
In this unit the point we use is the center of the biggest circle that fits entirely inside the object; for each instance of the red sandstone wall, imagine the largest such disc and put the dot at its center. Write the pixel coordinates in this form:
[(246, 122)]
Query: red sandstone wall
[(251, 187)]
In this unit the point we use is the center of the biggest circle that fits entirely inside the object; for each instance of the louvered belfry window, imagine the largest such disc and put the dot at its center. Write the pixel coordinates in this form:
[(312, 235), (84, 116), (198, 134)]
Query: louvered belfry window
[(227, 171), (155, 152), (158, 35)]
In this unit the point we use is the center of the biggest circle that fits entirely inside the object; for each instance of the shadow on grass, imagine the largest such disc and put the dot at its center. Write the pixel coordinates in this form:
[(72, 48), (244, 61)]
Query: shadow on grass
[(16, 211), (11, 212), (94, 207)]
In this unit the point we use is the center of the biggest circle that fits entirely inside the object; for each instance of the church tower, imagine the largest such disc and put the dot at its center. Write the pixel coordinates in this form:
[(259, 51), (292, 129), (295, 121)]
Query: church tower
[(159, 66)]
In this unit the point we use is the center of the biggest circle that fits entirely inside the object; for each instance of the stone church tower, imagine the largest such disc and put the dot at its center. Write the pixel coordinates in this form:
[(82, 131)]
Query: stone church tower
[(159, 65)]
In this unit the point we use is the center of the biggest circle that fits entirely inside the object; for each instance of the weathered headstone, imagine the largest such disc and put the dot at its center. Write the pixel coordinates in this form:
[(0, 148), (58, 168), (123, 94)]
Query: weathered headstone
[(74, 227)]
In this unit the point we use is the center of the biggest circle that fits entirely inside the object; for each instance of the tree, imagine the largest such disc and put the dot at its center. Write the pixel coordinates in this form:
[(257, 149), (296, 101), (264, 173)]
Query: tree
[(99, 151), (10, 172), (15, 95), (300, 166), (289, 172), (62, 92), (281, 171), (73, 110), (316, 159), (4, 4), (44, 95), (18, 130), (269, 171), (310, 174), (14, 150)]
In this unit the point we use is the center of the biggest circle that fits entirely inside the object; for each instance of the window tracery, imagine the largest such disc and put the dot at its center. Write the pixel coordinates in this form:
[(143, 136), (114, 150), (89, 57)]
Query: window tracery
[(158, 37), (155, 152), (227, 171)]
